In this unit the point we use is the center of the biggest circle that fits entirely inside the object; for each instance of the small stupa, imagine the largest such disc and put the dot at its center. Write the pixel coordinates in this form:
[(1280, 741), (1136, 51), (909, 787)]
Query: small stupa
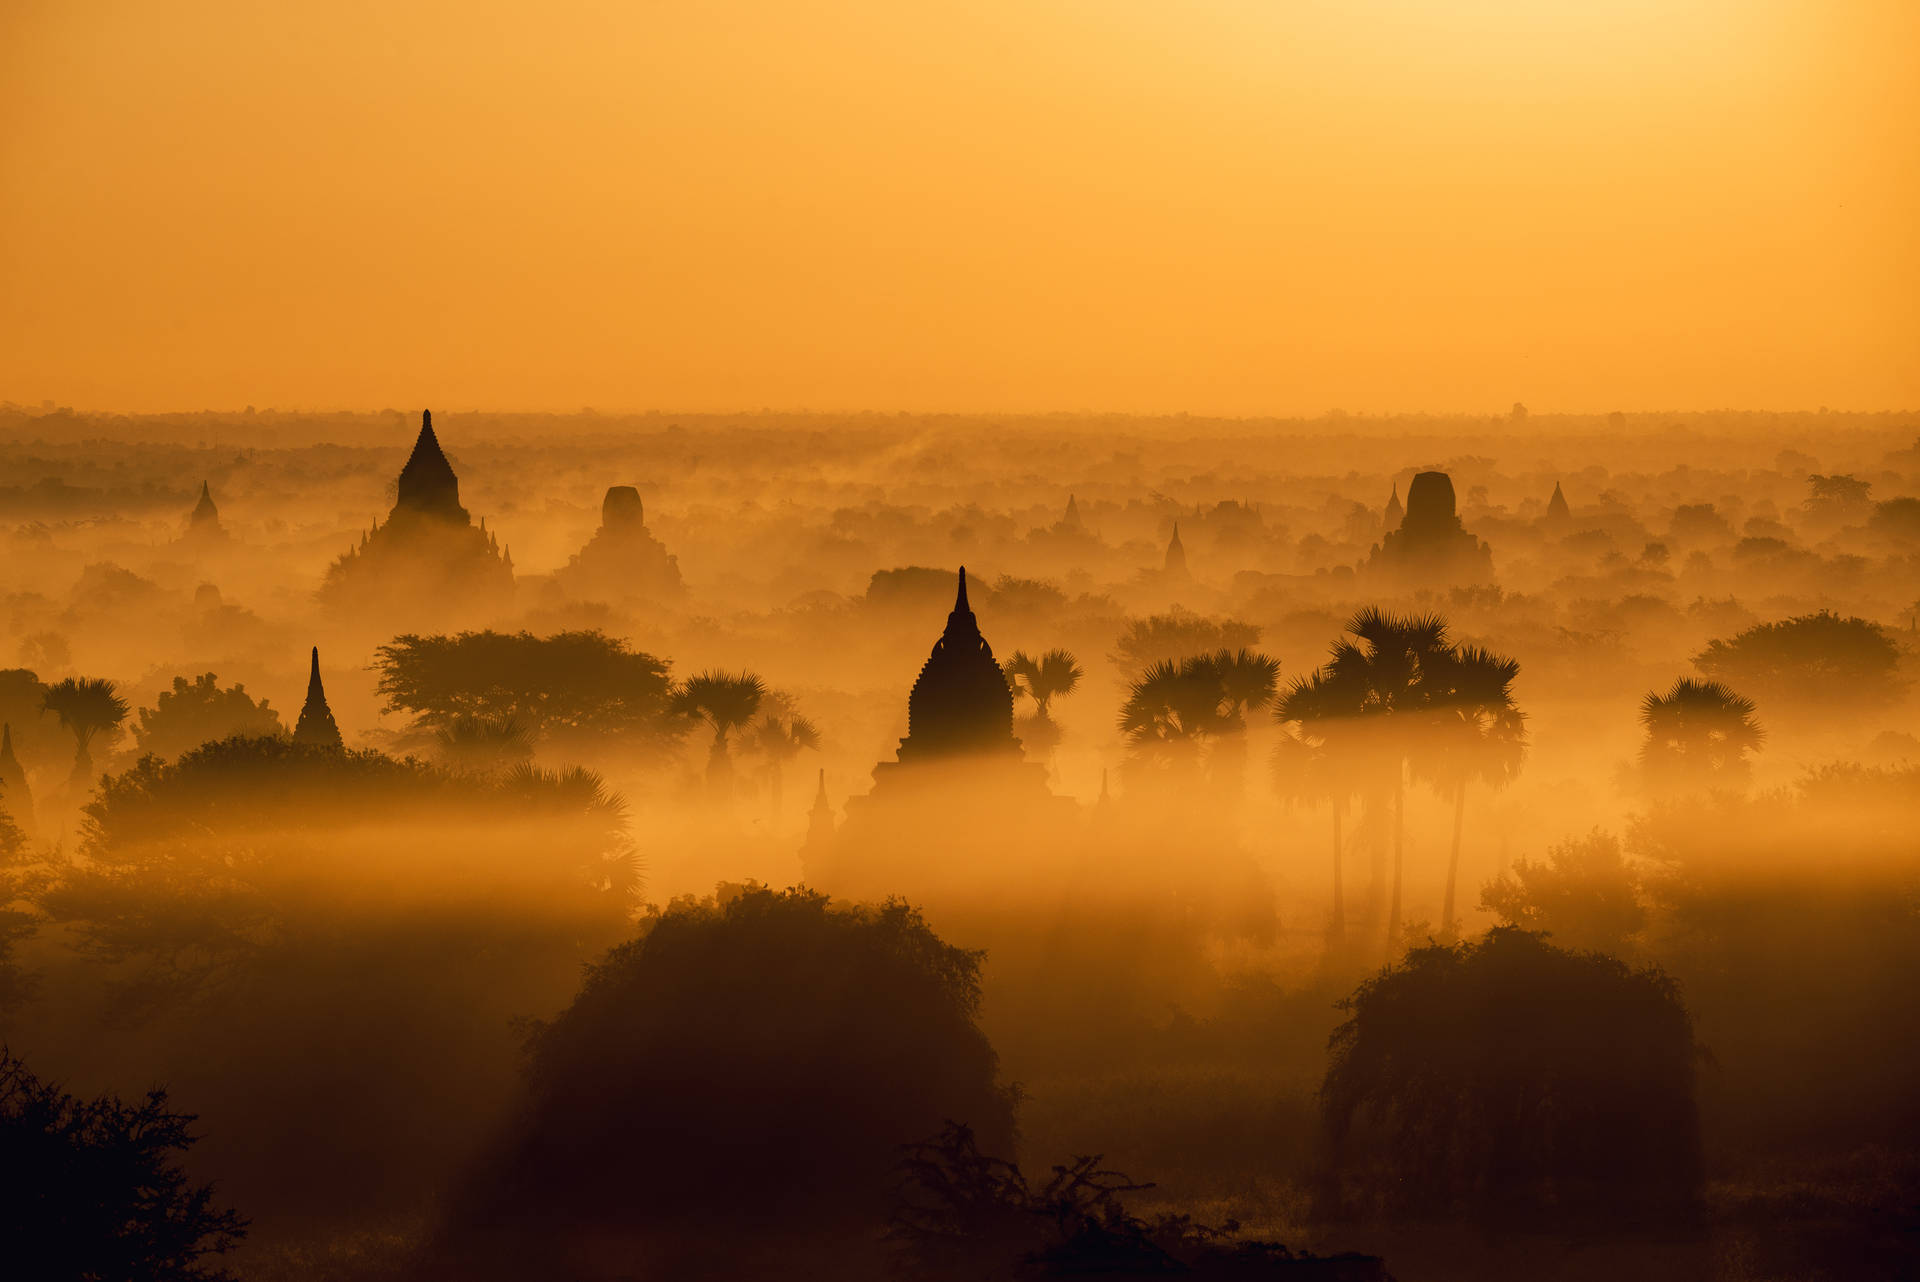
[(820, 824), (1176, 560), (203, 523), (316, 727), (1071, 520), (1395, 513), (623, 558), (16, 798), (1558, 513)]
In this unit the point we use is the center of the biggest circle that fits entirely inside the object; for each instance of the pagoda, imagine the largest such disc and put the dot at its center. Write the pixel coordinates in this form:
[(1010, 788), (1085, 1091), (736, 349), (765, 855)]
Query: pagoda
[(1430, 547), (429, 558), (623, 558), (316, 727)]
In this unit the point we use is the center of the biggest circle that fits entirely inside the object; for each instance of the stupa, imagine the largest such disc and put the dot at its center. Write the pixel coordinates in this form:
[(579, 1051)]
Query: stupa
[(1176, 561), (1395, 513), (203, 523), (623, 559), (1559, 514), (316, 726), (429, 559)]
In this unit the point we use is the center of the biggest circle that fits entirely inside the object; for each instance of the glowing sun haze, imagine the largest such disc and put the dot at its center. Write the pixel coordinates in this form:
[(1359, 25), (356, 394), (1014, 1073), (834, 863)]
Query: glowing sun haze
[(1228, 206)]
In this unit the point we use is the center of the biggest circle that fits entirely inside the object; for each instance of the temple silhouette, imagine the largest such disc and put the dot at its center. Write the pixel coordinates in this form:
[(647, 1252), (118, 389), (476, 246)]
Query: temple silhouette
[(1430, 547), (429, 558), (316, 727), (960, 755), (623, 558)]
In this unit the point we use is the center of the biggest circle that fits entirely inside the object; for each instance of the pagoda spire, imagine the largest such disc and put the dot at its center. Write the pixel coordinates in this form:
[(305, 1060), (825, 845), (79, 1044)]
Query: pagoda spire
[(427, 483), (316, 726), (1395, 513), (1176, 553)]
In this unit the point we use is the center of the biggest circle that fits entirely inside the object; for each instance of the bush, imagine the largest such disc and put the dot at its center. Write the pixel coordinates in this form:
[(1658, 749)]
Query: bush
[(743, 1074), (1508, 1080), (93, 1188)]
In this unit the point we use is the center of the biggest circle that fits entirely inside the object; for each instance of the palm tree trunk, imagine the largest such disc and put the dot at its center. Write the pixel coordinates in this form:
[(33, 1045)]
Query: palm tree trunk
[(1399, 851), (1453, 864), (1339, 930)]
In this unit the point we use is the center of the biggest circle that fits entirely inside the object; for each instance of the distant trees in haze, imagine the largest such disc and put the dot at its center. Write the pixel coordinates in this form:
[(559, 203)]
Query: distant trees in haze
[(1584, 895), (778, 740), (1169, 638), (199, 711), (1817, 666), (580, 686)]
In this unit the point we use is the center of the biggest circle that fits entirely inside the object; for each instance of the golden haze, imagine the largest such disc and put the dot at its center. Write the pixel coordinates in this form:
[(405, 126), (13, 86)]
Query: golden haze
[(1221, 206)]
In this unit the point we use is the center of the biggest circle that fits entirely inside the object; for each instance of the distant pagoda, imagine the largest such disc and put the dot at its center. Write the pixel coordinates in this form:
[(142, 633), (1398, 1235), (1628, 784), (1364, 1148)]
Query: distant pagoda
[(203, 523), (429, 558), (1558, 513), (1430, 547), (316, 727), (959, 756), (1176, 559), (623, 559), (1395, 513)]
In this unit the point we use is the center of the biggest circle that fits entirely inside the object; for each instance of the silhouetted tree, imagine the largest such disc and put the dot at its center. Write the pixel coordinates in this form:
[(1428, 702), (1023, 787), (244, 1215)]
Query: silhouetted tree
[(93, 1189), (1053, 675), (482, 744), (1179, 635), (1699, 736), (1513, 1082), (1815, 664), (726, 702), (1388, 665), (735, 1082), (965, 1216), (86, 706), (1584, 894), (780, 740), (1248, 683), (199, 711), (1173, 710), (1480, 735), (1317, 760), (584, 686)]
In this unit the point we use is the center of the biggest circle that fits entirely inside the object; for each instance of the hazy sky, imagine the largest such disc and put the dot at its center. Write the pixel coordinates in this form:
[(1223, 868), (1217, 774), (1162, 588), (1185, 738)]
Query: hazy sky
[(1233, 206)]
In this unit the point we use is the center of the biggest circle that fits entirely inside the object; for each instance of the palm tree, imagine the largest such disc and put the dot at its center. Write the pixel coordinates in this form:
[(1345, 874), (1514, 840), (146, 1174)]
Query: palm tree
[(1699, 735), (85, 706), (1054, 674), (780, 741), (1479, 733), (1248, 682), (726, 703), (1388, 665), (482, 744), (1313, 762), (1173, 710)]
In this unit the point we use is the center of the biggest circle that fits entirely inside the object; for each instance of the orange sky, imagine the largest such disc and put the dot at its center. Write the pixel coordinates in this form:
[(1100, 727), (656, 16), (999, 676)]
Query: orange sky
[(1223, 206)]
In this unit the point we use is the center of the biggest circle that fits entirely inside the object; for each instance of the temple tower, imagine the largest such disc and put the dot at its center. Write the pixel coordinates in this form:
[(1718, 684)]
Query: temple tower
[(316, 726)]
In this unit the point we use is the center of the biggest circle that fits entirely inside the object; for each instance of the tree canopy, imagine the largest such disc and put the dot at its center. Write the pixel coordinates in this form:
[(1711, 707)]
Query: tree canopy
[(582, 681), (199, 711)]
